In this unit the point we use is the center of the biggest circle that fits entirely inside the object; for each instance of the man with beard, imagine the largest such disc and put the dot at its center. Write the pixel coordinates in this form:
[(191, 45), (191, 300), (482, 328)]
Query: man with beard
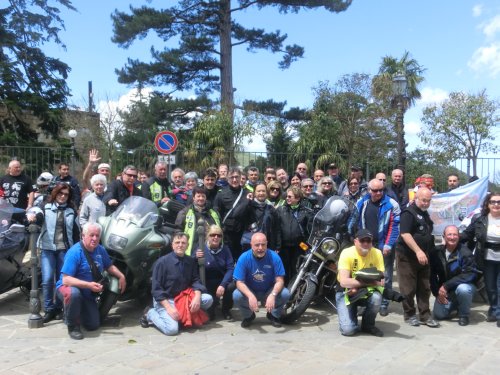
[(157, 187), (187, 218), (414, 245), (65, 177), (359, 293), (232, 205)]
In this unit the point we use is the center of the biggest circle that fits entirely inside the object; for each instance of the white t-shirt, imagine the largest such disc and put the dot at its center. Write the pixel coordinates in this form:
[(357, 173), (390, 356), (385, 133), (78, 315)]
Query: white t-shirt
[(493, 236)]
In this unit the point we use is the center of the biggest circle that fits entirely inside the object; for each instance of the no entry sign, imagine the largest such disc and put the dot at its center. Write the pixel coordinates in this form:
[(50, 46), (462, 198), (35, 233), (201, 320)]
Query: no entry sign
[(166, 142)]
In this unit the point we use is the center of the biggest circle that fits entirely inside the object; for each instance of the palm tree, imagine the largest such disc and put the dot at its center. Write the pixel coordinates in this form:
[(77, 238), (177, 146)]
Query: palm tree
[(382, 87)]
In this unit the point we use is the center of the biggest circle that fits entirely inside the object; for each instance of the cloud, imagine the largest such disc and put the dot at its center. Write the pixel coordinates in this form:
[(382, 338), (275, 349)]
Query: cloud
[(412, 127), (431, 96), (491, 27), (477, 10), (486, 58)]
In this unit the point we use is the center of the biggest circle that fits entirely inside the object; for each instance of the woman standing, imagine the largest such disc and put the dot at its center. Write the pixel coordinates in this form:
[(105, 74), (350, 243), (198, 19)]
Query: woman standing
[(93, 207), (326, 187), (57, 235), (354, 191), (484, 233), (219, 267), (294, 220), (274, 193)]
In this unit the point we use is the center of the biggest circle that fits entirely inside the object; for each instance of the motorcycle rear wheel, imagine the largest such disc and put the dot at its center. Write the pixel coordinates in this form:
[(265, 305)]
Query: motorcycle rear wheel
[(299, 300)]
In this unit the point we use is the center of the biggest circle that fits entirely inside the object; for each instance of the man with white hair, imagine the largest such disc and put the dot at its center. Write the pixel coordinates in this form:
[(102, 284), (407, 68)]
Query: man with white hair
[(18, 188)]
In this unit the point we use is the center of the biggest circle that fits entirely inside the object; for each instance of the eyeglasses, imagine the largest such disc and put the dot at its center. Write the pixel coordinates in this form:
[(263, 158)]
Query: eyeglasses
[(131, 175), (354, 183), (301, 169), (234, 177), (215, 235), (376, 190), (307, 186), (275, 189), (494, 203), (365, 240), (326, 183)]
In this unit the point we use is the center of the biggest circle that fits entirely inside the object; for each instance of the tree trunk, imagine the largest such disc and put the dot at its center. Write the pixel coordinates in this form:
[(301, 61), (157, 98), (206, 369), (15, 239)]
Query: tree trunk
[(226, 62)]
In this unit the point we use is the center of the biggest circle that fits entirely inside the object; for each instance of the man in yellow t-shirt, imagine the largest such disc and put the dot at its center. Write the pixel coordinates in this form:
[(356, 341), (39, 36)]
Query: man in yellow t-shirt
[(361, 255)]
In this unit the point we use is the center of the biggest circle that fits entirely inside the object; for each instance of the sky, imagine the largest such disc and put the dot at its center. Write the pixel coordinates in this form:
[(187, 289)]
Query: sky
[(457, 42)]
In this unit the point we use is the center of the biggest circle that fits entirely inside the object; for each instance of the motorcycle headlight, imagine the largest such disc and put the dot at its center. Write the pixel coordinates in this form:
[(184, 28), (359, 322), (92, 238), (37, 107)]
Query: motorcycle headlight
[(329, 247), (117, 242)]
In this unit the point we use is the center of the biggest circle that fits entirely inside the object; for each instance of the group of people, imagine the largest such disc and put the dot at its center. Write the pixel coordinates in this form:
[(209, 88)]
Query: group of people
[(255, 223)]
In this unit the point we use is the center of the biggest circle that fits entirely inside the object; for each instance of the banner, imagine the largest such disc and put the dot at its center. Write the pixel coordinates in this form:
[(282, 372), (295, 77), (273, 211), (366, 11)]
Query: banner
[(452, 207)]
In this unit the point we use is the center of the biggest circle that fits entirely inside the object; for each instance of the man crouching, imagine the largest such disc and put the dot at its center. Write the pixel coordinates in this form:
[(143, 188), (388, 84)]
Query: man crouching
[(176, 283), (359, 293), (77, 285)]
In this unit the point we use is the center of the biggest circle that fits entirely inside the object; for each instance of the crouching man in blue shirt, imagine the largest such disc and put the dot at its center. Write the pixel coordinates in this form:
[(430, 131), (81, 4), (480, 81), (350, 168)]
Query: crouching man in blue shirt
[(260, 276), (76, 286)]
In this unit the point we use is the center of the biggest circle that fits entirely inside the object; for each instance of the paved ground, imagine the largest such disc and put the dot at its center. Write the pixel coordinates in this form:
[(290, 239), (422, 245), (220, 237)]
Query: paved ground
[(312, 346)]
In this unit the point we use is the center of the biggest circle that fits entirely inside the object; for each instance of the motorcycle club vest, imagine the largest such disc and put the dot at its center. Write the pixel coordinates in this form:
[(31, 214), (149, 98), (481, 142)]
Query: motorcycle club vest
[(191, 222), (421, 232), (158, 192)]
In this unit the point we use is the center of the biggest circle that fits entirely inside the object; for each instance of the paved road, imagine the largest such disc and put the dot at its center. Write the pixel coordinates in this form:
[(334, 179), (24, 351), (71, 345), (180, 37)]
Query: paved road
[(313, 346)]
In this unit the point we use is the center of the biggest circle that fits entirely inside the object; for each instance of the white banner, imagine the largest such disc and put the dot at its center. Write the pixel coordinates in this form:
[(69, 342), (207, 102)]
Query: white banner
[(451, 207)]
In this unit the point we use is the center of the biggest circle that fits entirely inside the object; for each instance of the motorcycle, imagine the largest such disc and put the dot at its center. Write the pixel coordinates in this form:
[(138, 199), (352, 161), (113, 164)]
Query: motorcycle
[(134, 239), (13, 247), (317, 270)]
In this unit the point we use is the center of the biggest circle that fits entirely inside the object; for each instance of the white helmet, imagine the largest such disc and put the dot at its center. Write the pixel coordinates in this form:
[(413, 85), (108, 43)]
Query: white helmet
[(44, 179)]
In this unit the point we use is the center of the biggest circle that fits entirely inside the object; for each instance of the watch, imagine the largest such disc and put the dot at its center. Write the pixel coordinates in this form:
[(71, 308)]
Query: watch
[(274, 294)]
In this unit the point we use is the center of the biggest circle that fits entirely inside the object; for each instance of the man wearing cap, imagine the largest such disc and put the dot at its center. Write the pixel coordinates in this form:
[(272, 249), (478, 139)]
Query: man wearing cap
[(333, 171), (359, 293)]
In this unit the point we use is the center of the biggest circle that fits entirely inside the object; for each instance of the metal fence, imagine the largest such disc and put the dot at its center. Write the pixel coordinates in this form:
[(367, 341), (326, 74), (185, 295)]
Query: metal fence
[(39, 159)]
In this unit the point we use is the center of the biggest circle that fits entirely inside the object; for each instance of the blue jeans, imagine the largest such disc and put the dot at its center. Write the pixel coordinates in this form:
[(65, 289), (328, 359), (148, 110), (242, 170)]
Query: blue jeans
[(388, 273), (164, 322), (241, 301), (492, 285), (460, 299), (348, 314), (78, 309), (51, 264)]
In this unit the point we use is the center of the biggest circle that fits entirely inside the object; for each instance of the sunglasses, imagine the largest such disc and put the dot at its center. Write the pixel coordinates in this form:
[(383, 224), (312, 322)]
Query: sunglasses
[(215, 235), (376, 190), (326, 183), (365, 240), (494, 203), (131, 175), (275, 189), (308, 186)]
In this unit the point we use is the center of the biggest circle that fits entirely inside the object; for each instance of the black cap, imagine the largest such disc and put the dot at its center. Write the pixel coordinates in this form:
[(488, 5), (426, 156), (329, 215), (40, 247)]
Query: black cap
[(364, 233), (355, 168), (332, 166)]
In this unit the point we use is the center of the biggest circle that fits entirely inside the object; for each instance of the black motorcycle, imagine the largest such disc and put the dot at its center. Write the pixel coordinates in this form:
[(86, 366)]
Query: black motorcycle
[(317, 270)]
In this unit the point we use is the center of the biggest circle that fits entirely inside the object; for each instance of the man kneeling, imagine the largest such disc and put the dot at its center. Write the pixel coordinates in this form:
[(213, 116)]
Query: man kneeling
[(359, 293), (176, 283), (77, 287), (260, 276)]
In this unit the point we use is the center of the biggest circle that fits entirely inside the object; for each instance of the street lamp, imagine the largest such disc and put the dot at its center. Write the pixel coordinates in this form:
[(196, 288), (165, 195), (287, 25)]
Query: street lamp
[(399, 84), (72, 134)]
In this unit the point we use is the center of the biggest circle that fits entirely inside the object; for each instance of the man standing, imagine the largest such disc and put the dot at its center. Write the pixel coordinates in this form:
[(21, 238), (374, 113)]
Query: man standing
[(380, 214), (260, 276), (360, 256), (222, 171), (302, 170), (17, 187), (172, 274), (282, 177), (157, 187), (357, 172), (119, 190), (77, 285), (65, 177), (253, 178), (398, 190), (453, 181), (102, 168), (453, 272), (333, 172), (415, 244), (209, 183), (232, 205)]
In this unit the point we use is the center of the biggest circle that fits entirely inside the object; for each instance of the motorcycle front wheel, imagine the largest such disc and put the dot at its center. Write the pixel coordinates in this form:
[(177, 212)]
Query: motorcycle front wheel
[(299, 300), (106, 302)]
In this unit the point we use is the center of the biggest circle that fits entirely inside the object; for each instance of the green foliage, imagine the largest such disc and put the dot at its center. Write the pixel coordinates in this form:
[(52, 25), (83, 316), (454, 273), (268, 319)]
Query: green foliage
[(462, 126), (31, 83)]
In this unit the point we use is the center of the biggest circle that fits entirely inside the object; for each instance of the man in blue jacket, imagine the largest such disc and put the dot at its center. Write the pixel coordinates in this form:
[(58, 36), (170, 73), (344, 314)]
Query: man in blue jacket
[(379, 213), (453, 274)]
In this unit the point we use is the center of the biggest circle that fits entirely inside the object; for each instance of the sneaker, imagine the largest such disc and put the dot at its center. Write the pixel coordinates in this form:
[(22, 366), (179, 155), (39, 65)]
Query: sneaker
[(413, 321), (75, 333), (463, 321), (247, 322), (275, 322), (374, 331), (431, 323), (383, 311), (143, 321)]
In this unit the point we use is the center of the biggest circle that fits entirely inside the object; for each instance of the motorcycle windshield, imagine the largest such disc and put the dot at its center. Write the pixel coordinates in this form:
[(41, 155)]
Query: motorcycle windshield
[(138, 210), (6, 211), (331, 219)]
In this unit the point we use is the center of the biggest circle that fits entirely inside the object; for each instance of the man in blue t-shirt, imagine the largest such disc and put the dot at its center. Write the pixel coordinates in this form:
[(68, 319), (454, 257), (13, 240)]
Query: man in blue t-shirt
[(260, 276), (76, 286)]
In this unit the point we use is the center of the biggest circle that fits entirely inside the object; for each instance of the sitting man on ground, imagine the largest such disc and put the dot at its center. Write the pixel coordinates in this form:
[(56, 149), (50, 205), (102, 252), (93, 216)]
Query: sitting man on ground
[(173, 275), (260, 276), (353, 259), (77, 285), (453, 273)]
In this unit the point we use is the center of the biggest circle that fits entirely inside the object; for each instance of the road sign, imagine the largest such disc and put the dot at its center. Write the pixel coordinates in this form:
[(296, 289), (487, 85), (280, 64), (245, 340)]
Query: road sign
[(169, 159), (166, 142)]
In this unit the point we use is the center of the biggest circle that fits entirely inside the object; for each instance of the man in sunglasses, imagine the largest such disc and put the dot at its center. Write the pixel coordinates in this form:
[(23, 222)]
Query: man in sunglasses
[(380, 214), (358, 293), (121, 189)]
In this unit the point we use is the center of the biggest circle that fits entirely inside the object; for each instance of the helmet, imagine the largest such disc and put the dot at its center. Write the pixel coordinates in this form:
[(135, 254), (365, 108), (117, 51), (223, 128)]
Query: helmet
[(44, 179)]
